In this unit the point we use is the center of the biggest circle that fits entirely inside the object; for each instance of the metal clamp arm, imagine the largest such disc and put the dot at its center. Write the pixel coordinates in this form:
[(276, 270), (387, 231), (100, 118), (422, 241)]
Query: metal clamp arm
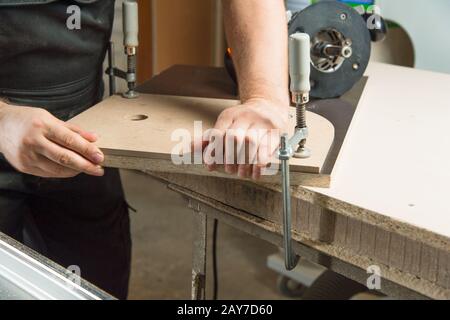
[(285, 153)]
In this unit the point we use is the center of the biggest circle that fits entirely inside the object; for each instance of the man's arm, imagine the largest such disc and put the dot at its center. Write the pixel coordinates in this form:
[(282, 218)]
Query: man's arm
[(257, 33)]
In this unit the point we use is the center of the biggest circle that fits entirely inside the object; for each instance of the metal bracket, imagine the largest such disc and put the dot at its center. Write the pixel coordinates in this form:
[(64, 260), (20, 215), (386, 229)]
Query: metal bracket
[(285, 154)]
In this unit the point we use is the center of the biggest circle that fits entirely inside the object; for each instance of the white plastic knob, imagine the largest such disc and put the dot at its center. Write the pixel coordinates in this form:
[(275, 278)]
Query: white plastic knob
[(300, 62), (130, 24)]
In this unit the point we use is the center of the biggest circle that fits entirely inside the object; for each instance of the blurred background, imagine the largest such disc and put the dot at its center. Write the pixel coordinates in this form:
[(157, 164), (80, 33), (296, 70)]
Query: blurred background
[(191, 32)]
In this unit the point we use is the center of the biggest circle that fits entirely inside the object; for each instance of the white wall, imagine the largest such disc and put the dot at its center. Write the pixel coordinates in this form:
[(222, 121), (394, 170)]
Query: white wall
[(427, 23)]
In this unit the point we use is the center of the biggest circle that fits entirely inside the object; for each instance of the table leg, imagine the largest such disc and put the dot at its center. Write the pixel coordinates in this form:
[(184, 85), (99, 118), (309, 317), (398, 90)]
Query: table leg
[(199, 255)]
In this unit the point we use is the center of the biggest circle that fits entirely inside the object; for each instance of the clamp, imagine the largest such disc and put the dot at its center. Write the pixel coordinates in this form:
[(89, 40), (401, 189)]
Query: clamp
[(299, 70), (131, 43)]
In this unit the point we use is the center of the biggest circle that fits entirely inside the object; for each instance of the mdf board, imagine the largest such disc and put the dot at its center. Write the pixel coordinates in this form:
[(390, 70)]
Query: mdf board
[(394, 168), (183, 32), (134, 132)]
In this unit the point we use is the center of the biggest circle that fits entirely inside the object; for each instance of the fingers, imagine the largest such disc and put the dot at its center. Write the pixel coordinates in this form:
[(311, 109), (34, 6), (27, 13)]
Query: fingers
[(68, 159), (249, 140), (241, 141), (38, 172), (268, 145), (208, 148), (261, 145), (89, 136), (69, 139), (256, 172), (209, 157), (244, 171), (230, 153), (237, 151), (49, 169), (223, 123), (254, 137)]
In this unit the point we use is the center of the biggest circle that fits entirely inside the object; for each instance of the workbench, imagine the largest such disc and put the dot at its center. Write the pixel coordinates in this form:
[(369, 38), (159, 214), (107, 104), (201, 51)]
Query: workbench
[(387, 202)]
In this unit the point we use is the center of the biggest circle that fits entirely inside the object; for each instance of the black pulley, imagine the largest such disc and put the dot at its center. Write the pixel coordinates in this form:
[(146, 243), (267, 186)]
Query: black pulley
[(340, 46)]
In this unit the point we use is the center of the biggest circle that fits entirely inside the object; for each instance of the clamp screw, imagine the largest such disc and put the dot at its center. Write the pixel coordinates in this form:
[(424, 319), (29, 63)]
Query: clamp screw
[(285, 152)]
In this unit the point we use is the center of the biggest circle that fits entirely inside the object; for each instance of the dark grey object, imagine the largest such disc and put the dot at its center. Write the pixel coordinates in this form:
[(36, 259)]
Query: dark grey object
[(340, 46)]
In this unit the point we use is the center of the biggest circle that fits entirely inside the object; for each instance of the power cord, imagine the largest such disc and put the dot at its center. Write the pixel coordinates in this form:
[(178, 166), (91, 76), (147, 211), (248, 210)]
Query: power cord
[(214, 256)]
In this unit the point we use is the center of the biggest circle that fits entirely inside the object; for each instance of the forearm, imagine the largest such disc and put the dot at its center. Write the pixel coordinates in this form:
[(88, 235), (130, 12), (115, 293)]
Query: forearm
[(257, 33), (3, 102), (3, 106)]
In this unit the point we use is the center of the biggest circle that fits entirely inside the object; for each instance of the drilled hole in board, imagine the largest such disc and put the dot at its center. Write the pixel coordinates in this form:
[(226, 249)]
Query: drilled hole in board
[(138, 117)]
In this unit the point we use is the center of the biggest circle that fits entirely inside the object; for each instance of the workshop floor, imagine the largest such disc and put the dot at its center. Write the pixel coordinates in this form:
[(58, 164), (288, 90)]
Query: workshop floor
[(162, 236)]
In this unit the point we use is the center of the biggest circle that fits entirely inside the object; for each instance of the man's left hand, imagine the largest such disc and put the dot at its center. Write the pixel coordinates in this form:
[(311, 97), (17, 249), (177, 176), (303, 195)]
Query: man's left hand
[(255, 125)]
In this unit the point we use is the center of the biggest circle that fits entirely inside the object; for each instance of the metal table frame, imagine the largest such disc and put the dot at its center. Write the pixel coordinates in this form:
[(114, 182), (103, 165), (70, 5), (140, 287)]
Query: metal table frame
[(30, 276)]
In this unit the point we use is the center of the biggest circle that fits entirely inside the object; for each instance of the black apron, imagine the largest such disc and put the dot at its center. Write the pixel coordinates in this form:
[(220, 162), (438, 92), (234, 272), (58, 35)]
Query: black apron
[(81, 221), (59, 70)]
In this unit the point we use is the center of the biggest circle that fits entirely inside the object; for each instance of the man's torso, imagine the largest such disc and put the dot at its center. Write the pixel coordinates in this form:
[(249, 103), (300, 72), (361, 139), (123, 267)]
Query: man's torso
[(45, 63)]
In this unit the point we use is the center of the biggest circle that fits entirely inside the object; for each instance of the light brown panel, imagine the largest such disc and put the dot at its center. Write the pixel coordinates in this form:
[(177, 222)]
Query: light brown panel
[(137, 134), (184, 32)]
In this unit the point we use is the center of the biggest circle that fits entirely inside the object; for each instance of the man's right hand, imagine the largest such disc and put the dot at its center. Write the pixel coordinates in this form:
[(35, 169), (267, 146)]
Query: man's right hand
[(36, 143)]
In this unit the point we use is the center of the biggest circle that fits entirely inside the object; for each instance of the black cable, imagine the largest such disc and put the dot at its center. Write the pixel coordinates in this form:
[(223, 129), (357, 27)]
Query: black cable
[(214, 253)]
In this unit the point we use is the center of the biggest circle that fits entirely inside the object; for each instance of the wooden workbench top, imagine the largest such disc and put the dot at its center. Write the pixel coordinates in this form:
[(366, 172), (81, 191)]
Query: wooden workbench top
[(396, 157)]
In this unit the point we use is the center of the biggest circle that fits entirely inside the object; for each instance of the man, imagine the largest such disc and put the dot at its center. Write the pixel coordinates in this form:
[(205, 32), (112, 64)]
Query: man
[(51, 172)]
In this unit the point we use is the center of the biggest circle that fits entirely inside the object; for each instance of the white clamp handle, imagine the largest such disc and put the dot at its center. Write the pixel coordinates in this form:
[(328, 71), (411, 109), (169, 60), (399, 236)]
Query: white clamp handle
[(130, 24), (300, 62)]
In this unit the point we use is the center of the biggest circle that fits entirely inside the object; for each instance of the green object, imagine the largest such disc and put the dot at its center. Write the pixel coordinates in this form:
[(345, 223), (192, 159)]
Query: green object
[(350, 3)]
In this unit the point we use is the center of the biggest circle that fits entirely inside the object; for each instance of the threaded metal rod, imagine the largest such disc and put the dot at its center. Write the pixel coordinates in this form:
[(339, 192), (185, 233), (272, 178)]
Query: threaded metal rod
[(291, 258), (131, 74), (301, 115), (301, 122), (132, 63)]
